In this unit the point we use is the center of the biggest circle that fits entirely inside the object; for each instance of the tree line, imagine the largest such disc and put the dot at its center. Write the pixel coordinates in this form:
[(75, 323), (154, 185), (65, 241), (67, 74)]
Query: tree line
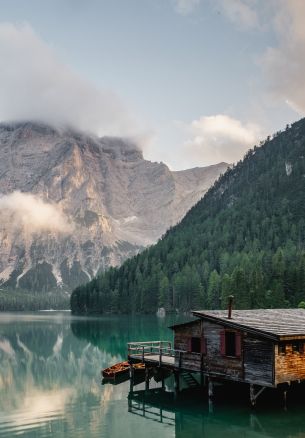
[(20, 300)]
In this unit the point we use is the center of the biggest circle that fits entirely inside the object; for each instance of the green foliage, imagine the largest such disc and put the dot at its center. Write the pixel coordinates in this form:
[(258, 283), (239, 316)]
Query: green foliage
[(246, 237), (17, 300)]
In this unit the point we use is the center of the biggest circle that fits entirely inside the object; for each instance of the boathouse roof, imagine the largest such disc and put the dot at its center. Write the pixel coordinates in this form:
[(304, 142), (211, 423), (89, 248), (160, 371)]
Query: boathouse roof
[(277, 324)]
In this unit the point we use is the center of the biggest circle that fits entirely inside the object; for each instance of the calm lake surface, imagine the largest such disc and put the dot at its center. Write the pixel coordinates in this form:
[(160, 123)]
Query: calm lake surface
[(50, 386)]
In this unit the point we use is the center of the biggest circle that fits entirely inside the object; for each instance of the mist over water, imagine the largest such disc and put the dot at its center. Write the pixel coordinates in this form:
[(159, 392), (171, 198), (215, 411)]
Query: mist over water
[(50, 386)]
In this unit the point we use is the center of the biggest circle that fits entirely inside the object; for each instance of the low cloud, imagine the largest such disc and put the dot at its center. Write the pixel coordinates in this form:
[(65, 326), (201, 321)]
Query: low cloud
[(36, 85), (220, 138), (30, 212)]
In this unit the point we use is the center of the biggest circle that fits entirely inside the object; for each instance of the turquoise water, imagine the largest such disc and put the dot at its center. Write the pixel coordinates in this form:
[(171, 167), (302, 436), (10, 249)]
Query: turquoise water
[(50, 386)]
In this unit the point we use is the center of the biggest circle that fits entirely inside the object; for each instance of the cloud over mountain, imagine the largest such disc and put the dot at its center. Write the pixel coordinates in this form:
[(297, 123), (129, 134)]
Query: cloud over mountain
[(29, 211), (36, 85)]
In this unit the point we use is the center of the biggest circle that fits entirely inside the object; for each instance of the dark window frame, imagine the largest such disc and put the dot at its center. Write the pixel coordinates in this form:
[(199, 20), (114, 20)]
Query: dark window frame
[(194, 341), (201, 345), (297, 347), (230, 343), (282, 349)]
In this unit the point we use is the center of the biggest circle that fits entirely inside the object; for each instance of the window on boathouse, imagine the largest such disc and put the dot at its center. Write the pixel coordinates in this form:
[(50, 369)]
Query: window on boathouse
[(197, 345), (298, 347), (230, 343)]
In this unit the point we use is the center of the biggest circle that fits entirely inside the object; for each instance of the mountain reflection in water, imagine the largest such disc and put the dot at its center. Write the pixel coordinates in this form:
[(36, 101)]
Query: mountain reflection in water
[(50, 385)]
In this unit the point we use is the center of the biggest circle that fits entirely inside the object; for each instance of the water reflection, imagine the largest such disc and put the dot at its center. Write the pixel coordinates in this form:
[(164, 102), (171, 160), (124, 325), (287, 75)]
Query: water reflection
[(113, 333), (190, 416), (50, 386), (47, 376)]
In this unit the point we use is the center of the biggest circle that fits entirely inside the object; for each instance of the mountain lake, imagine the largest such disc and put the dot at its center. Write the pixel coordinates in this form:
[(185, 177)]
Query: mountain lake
[(50, 386)]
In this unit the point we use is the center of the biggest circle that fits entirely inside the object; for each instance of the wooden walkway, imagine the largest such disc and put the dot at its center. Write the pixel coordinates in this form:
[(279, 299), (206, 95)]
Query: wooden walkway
[(161, 353), (154, 359), (152, 352)]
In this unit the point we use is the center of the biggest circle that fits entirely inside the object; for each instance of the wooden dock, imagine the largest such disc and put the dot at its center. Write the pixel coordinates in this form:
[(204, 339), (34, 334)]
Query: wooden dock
[(161, 360), (161, 353), (152, 352)]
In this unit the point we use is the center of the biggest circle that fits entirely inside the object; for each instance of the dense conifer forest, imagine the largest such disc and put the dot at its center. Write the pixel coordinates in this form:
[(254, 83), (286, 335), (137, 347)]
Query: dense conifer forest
[(246, 237), (17, 300)]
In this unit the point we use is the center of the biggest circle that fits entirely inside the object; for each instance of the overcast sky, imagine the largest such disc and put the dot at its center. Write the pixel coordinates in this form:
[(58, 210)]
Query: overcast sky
[(194, 82)]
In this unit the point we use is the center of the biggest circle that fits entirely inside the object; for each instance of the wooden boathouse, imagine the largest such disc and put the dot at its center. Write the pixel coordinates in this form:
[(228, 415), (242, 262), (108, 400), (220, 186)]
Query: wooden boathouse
[(262, 348)]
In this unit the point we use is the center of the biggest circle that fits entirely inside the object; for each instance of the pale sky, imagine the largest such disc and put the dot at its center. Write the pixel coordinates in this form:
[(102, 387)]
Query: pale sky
[(194, 82)]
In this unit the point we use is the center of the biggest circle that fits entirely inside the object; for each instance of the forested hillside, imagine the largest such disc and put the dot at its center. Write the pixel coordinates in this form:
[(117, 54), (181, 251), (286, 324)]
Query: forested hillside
[(246, 237)]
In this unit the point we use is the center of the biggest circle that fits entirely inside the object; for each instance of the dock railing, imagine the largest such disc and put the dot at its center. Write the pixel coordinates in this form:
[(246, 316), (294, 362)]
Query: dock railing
[(161, 351), (150, 348)]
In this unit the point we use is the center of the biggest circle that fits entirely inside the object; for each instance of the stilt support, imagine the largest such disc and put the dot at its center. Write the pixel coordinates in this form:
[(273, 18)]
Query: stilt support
[(211, 406), (163, 382), (254, 395), (285, 400), (131, 378), (177, 383), (211, 388), (211, 394), (146, 379)]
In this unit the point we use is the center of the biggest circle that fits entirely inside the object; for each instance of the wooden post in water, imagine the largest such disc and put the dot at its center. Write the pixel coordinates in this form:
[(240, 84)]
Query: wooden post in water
[(211, 394), (211, 406), (285, 400), (146, 379), (253, 395), (163, 382), (177, 383), (210, 388), (131, 378)]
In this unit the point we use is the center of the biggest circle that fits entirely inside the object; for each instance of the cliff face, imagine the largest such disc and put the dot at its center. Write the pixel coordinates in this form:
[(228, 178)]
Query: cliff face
[(72, 204)]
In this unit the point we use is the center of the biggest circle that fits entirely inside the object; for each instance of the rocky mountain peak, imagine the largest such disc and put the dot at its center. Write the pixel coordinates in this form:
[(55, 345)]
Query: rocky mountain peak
[(72, 204)]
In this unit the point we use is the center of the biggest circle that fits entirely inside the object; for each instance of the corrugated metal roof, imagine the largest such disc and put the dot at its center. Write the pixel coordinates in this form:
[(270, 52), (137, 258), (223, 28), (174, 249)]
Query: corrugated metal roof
[(271, 323)]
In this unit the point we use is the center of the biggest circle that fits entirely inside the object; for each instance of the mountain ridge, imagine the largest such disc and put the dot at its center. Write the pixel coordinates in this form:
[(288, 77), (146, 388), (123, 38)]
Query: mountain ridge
[(114, 201)]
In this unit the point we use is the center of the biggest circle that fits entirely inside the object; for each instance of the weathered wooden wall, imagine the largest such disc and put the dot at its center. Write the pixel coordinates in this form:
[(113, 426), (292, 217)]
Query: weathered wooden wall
[(214, 362), (254, 365), (189, 361), (289, 366), (185, 332), (258, 361)]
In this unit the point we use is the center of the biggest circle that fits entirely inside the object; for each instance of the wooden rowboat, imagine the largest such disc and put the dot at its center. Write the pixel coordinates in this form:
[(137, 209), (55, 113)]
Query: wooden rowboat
[(121, 369), (117, 370)]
